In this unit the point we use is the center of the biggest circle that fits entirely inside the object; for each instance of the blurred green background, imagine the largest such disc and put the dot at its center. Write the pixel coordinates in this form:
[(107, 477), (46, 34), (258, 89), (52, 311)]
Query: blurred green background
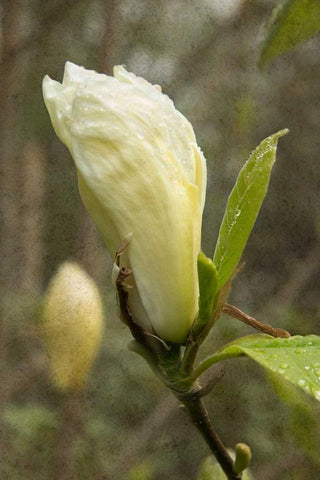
[(125, 425)]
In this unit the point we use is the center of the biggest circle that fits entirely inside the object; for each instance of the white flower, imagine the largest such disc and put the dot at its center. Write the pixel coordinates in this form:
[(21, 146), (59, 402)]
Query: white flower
[(141, 173), (72, 322)]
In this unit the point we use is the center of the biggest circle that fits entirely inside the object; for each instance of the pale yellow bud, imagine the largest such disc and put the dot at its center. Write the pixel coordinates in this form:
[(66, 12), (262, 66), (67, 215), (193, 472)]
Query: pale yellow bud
[(71, 327), (243, 457), (141, 173), (211, 470)]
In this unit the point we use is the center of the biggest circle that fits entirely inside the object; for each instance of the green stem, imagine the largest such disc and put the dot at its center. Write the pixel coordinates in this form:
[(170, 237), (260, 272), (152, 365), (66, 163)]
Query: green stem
[(189, 357), (217, 357), (201, 420)]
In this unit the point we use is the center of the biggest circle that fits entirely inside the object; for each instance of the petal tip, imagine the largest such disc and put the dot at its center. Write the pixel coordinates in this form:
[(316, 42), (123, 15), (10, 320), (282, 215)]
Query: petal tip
[(73, 73), (50, 88)]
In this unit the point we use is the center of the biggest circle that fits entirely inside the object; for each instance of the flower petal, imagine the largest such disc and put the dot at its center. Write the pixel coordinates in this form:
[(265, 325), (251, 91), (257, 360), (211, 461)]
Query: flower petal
[(141, 172)]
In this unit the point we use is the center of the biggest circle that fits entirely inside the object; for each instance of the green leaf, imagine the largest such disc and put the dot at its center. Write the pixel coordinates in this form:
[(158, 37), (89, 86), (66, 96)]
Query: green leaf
[(293, 22), (243, 206), (296, 359), (208, 283), (304, 425)]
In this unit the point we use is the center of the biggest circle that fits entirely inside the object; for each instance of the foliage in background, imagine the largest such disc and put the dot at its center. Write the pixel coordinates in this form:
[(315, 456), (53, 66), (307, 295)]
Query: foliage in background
[(206, 59), (292, 22)]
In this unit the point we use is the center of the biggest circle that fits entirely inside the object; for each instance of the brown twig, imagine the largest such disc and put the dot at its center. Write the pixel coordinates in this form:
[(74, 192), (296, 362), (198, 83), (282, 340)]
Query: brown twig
[(236, 313), (201, 420), (211, 382)]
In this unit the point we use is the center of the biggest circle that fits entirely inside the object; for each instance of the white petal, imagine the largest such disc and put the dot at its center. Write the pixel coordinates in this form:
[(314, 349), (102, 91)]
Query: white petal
[(58, 101), (140, 172)]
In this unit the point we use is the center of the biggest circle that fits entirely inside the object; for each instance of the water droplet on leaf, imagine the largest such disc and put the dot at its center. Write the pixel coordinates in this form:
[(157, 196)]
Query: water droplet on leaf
[(316, 393)]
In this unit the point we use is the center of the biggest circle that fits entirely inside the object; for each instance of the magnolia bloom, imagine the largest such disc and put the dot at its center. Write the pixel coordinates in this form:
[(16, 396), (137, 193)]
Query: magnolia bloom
[(71, 327), (141, 175)]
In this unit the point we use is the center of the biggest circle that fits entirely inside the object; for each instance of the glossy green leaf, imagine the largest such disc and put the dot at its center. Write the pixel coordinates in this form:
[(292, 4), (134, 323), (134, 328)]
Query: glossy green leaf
[(243, 206), (208, 283), (293, 22), (304, 425), (296, 359)]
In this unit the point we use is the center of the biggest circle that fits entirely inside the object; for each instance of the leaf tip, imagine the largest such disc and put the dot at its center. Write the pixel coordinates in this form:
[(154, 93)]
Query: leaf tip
[(281, 133)]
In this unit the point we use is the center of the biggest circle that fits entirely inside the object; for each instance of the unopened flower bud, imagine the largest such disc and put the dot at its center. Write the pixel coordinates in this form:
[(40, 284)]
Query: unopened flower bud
[(72, 322), (243, 457), (142, 173)]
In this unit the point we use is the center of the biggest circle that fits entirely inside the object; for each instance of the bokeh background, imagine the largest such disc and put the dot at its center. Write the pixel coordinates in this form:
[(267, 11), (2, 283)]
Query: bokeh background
[(125, 425)]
